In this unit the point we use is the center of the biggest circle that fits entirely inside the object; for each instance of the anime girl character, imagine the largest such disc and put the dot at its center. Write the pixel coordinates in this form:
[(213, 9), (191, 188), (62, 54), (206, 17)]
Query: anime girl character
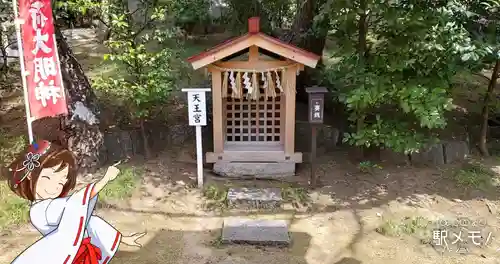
[(45, 174)]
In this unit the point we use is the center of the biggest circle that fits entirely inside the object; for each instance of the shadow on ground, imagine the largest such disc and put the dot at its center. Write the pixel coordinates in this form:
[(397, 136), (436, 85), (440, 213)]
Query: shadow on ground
[(343, 184), (180, 247)]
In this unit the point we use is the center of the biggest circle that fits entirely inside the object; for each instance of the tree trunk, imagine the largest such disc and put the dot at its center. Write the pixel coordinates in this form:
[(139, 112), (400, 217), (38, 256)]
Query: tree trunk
[(302, 37), (4, 54), (483, 148), (82, 134), (147, 150), (102, 27)]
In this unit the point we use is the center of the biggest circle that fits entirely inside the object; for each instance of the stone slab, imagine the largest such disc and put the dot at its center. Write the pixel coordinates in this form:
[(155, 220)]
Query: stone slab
[(257, 170), (254, 198), (455, 151), (431, 156), (251, 231)]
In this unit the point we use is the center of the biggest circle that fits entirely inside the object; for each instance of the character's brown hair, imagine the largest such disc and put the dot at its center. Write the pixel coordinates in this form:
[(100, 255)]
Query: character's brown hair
[(55, 156)]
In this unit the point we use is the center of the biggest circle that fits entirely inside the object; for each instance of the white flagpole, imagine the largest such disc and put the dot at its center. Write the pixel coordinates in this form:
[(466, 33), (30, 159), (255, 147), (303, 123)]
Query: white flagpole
[(24, 74)]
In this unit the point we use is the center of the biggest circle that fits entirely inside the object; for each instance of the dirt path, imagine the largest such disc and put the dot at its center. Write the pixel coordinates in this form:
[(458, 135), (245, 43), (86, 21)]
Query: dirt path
[(337, 227)]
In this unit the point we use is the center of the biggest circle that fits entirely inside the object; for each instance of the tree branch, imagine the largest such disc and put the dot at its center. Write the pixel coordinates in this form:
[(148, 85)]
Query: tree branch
[(142, 29), (482, 76), (102, 21), (147, 21)]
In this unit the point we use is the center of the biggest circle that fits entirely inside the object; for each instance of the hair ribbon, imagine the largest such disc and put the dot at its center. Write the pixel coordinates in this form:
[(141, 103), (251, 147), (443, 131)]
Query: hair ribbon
[(31, 161)]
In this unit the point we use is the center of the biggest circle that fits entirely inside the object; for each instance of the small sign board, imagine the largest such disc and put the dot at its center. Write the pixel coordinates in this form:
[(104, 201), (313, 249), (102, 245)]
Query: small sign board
[(197, 106), (316, 111), (197, 110), (316, 104)]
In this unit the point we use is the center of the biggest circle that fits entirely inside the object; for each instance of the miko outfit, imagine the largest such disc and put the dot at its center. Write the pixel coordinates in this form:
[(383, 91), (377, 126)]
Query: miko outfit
[(71, 234)]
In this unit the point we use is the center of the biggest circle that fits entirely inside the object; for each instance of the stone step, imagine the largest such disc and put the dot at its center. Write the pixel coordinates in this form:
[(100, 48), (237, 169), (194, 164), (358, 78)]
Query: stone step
[(256, 232), (254, 198)]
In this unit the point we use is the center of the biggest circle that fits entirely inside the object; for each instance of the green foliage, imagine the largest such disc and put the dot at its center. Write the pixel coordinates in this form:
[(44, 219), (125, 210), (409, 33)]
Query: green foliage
[(74, 11), (148, 71), (190, 11), (395, 68), (71, 9), (274, 14), (482, 20)]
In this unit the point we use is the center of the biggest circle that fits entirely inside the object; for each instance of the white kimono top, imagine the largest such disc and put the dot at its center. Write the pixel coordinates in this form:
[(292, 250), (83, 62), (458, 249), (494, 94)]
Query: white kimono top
[(64, 222)]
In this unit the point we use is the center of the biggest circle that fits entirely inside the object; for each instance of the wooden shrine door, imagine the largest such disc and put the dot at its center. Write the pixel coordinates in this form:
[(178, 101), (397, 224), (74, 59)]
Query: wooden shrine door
[(254, 124)]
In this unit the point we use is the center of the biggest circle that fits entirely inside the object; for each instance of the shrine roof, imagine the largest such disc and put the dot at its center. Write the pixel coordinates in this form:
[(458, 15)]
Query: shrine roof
[(259, 39)]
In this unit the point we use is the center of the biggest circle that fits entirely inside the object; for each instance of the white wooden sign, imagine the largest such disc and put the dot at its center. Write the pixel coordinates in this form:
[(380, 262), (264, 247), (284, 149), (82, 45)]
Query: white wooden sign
[(197, 107), (197, 111)]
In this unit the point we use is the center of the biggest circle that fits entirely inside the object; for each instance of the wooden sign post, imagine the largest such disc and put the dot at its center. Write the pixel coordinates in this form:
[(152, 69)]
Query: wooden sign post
[(197, 110), (316, 111)]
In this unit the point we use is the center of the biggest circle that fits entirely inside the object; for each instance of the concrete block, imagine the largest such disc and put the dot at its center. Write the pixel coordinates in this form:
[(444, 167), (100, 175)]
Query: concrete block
[(261, 232)]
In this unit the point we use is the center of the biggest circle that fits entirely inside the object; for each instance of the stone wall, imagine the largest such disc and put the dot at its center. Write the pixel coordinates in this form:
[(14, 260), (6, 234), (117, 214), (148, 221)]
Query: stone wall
[(120, 144), (445, 152), (329, 138)]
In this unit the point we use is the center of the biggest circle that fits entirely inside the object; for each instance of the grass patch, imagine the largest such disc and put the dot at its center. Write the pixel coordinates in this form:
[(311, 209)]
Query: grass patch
[(10, 146), (13, 209), (297, 196), (216, 197), (123, 186), (217, 242), (407, 226), (475, 175), (368, 167)]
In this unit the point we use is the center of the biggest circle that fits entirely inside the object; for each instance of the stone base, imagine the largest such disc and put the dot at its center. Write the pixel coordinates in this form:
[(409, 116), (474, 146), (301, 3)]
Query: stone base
[(257, 170), (260, 232)]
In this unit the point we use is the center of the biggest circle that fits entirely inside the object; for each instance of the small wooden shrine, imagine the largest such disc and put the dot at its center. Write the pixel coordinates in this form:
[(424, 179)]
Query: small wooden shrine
[(253, 100)]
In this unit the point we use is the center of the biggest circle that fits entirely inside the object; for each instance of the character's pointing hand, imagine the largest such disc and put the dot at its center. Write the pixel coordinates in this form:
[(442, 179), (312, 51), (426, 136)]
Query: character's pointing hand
[(132, 239), (112, 172)]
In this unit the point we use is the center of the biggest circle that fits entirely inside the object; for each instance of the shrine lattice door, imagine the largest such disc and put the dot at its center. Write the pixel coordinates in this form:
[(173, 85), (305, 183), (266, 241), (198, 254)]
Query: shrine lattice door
[(250, 121)]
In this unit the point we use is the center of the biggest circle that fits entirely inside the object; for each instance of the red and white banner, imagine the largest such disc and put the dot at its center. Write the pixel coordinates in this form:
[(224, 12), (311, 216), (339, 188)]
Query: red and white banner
[(45, 90)]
